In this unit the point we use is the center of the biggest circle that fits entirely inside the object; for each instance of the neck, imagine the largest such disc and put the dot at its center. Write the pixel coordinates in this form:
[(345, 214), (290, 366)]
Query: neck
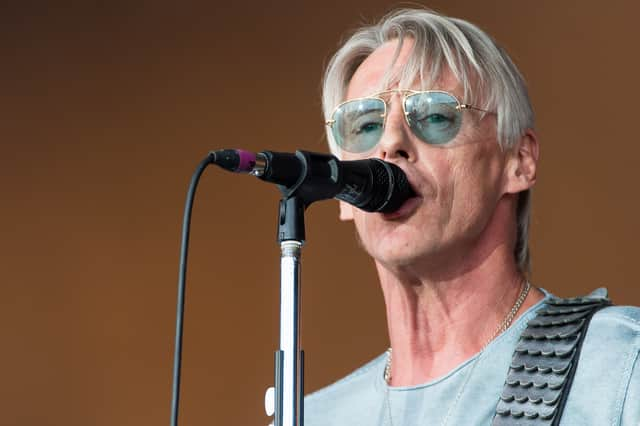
[(437, 321)]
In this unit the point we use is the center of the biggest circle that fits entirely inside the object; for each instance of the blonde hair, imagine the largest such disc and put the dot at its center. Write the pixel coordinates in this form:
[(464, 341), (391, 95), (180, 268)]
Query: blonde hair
[(489, 79)]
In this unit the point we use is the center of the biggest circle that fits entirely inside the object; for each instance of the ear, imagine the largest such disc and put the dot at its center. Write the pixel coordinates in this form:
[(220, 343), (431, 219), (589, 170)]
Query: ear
[(346, 211), (522, 164)]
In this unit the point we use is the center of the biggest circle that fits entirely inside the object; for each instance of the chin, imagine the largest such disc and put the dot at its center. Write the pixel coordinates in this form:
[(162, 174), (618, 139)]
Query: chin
[(398, 255)]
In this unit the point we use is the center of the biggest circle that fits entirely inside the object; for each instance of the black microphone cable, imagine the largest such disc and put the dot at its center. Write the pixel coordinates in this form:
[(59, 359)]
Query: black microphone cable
[(184, 249)]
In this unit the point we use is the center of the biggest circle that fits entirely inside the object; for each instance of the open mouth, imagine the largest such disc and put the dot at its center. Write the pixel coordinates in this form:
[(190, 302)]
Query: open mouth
[(407, 208)]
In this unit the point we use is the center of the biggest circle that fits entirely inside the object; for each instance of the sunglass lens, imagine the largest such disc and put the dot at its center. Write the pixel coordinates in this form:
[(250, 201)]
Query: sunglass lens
[(433, 116), (358, 124)]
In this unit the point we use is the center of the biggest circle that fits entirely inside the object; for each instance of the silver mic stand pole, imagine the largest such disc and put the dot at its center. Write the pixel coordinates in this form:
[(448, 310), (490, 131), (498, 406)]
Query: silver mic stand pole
[(289, 360)]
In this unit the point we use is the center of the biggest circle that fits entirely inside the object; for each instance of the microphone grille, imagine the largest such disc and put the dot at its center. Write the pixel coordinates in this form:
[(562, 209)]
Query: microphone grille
[(381, 182), (393, 187)]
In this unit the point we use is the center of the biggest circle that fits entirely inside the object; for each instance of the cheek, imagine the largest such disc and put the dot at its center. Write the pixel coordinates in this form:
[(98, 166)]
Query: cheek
[(475, 186)]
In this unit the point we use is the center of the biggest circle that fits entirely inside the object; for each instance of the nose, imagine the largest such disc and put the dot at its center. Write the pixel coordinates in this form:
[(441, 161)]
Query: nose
[(396, 141)]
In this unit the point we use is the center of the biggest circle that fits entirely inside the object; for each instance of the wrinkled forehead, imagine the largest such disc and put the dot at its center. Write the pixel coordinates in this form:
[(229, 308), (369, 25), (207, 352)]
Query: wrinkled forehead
[(397, 65)]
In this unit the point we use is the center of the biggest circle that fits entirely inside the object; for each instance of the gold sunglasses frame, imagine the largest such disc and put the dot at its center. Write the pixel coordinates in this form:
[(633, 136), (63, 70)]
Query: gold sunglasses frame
[(406, 93)]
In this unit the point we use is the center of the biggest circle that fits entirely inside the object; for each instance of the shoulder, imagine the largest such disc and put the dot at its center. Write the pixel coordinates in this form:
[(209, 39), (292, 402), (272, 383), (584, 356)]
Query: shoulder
[(613, 338), (627, 317), (364, 376), (616, 328), (607, 380), (350, 398)]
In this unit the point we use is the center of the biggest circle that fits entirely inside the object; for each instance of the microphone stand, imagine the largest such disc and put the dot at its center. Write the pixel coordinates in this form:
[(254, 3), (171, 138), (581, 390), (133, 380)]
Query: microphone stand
[(315, 180), (289, 359), (307, 187)]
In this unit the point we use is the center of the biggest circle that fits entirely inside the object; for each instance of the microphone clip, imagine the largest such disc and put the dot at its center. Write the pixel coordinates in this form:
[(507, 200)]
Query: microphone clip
[(310, 176)]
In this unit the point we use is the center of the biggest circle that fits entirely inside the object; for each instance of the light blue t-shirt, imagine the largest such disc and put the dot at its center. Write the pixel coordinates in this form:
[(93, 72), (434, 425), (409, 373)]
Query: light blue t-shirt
[(605, 391)]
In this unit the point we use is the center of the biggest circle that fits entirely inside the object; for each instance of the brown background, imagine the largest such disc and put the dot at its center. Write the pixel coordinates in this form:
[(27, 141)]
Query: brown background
[(107, 108)]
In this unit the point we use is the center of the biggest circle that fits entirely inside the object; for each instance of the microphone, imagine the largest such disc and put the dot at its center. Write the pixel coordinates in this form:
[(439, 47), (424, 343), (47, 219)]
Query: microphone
[(372, 185)]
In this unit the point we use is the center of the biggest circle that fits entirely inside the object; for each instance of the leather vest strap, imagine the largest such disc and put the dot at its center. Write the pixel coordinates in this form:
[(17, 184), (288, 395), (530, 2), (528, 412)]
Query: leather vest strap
[(545, 361)]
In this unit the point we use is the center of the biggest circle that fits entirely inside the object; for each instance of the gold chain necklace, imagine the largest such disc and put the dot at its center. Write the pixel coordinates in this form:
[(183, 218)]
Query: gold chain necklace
[(502, 327)]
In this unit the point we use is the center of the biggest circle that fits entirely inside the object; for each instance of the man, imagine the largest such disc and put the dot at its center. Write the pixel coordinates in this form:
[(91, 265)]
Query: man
[(435, 96)]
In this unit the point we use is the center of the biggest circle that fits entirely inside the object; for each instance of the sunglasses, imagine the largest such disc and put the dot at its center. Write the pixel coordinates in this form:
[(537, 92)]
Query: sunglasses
[(434, 116)]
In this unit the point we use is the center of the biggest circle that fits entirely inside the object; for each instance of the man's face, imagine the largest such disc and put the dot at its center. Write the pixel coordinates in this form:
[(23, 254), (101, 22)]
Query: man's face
[(459, 184)]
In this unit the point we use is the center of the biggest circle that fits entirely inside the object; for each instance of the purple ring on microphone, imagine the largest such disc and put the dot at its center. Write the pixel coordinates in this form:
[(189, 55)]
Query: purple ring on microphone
[(247, 161)]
